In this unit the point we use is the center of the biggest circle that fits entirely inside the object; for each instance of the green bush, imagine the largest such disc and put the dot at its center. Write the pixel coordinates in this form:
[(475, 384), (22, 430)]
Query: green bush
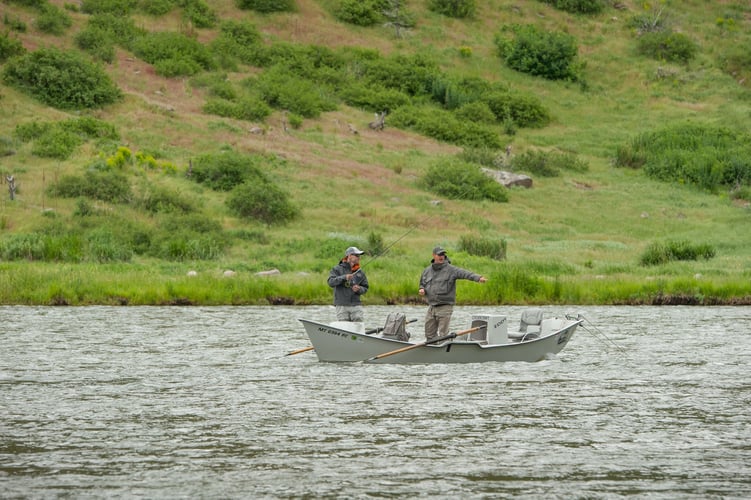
[(483, 247), (117, 7), (158, 199), (578, 6), (199, 13), (412, 75), (266, 6), (53, 20), (96, 42), (62, 79), (453, 8), (445, 126), (662, 253), (373, 98), (547, 163), (119, 30), (103, 245), (105, 186), (262, 201), (459, 180), (61, 139), (667, 46), (246, 108), (705, 156), (549, 54), (10, 47), (359, 12), (173, 54), (524, 110), (282, 89), (156, 7), (478, 112), (225, 171)]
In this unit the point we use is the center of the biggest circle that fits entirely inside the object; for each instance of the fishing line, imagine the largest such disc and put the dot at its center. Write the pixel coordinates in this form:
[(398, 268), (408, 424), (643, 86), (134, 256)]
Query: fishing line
[(409, 230), (597, 332)]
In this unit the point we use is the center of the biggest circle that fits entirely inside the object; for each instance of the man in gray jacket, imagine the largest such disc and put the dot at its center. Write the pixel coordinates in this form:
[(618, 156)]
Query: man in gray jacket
[(438, 285), (348, 282)]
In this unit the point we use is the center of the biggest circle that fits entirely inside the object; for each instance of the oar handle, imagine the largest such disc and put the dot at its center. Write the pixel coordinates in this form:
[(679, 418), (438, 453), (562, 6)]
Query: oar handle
[(305, 349)]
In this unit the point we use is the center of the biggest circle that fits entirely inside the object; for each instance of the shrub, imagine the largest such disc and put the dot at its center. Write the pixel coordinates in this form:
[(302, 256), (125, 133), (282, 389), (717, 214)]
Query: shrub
[(523, 110), (702, 155), (478, 112), (453, 8), (551, 55), (173, 54), (247, 108), (117, 7), (265, 6), (199, 13), (105, 186), (53, 20), (223, 172), (667, 46), (359, 12), (662, 253), (483, 247), (282, 89), (61, 79), (157, 7), (547, 163), (157, 199), (117, 29), (96, 42), (445, 126), (412, 75), (578, 6), (261, 201), (10, 47), (459, 180), (59, 140), (373, 98), (103, 245)]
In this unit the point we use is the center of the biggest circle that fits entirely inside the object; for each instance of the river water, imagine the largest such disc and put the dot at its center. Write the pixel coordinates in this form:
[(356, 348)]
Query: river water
[(201, 402)]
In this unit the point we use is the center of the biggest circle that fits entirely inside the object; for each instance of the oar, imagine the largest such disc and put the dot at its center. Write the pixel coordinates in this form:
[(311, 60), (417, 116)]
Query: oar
[(367, 332), (421, 344)]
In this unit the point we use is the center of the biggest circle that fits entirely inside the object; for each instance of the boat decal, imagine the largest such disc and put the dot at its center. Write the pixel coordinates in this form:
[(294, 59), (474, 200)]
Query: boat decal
[(563, 336)]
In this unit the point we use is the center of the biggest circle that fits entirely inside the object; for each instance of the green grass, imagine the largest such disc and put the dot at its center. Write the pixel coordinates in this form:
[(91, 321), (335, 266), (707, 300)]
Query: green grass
[(575, 238)]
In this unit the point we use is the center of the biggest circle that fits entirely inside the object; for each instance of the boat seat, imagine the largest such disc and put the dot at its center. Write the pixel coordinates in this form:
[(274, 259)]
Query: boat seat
[(530, 326), (531, 321)]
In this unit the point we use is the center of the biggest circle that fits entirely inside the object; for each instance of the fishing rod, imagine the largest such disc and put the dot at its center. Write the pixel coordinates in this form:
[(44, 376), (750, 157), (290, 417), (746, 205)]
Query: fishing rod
[(388, 247), (406, 233)]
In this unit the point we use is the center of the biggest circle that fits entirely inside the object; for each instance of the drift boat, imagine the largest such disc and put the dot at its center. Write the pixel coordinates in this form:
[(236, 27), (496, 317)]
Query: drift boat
[(488, 339)]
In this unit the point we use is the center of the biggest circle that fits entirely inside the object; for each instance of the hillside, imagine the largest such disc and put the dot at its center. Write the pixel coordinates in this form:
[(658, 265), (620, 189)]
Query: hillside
[(583, 230)]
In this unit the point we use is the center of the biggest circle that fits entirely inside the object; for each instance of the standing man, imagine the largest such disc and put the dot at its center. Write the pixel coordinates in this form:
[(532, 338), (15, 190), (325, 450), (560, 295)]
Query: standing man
[(349, 283), (438, 284)]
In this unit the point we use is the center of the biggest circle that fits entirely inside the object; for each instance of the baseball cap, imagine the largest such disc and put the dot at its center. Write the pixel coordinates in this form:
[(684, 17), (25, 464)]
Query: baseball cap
[(439, 251), (353, 250)]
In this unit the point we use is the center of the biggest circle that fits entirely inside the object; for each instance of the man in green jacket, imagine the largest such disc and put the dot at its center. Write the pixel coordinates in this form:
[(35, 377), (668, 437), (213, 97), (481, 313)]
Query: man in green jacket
[(438, 285)]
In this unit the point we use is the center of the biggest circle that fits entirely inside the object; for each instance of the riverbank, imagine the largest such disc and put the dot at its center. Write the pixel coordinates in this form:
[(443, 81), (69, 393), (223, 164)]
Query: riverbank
[(32, 283)]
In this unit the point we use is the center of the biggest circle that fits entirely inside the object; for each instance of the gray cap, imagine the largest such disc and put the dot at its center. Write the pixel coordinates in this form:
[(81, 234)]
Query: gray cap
[(353, 250), (439, 251)]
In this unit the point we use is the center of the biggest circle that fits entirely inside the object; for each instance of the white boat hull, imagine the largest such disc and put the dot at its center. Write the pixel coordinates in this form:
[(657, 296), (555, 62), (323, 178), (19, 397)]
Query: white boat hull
[(337, 343)]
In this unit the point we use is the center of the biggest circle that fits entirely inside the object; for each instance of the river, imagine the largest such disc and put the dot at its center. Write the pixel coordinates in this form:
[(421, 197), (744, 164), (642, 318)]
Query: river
[(201, 402)]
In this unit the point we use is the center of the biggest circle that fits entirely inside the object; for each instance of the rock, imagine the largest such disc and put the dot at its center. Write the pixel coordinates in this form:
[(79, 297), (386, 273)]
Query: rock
[(229, 273), (192, 273), (509, 179), (270, 272)]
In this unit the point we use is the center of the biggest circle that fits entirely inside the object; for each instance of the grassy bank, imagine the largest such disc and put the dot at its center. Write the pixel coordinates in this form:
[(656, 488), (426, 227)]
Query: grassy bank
[(155, 284), (576, 238)]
